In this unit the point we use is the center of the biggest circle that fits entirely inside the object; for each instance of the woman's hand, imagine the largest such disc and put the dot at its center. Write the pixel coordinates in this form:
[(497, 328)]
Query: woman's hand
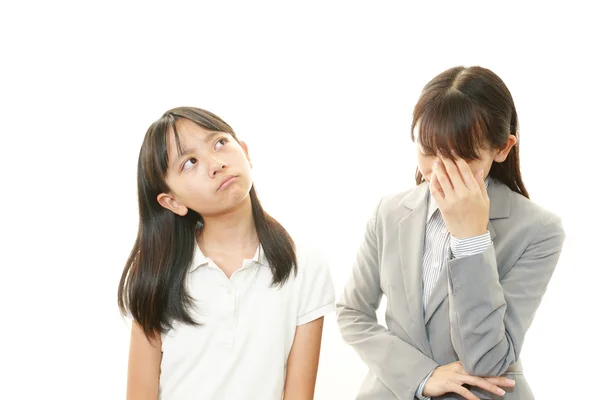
[(461, 197), (451, 378)]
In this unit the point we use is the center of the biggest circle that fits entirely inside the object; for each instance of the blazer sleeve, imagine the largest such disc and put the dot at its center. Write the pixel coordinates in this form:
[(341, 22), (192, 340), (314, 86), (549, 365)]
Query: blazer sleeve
[(397, 364), (488, 316)]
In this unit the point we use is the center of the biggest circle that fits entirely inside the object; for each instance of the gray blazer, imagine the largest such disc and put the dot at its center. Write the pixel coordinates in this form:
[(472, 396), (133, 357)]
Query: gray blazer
[(478, 312)]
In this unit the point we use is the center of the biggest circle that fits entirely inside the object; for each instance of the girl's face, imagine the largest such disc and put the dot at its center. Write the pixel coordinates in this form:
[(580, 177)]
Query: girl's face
[(211, 176), (425, 160)]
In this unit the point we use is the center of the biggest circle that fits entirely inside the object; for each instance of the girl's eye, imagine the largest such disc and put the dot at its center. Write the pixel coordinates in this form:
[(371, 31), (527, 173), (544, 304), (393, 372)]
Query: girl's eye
[(189, 163), (222, 142)]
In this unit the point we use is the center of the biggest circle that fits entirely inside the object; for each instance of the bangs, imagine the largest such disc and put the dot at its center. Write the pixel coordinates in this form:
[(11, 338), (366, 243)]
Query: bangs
[(158, 143), (164, 128), (448, 123), (173, 130)]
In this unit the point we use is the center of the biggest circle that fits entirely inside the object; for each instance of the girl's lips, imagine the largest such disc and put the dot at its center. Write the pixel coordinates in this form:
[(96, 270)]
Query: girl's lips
[(227, 182)]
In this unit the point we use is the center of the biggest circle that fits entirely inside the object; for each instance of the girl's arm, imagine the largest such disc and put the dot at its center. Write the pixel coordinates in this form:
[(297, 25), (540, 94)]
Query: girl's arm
[(144, 365), (303, 361)]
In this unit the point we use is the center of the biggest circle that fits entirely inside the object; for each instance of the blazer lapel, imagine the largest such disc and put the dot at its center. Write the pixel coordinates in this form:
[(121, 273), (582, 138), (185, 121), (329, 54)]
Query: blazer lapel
[(499, 195), (411, 232)]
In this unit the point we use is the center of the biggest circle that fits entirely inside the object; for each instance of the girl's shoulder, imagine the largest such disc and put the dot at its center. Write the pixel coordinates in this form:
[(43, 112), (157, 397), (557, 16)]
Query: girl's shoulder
[(313, 285)]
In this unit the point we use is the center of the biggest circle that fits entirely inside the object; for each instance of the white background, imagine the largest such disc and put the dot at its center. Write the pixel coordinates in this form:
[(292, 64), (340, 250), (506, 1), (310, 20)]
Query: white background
[(323, 93)]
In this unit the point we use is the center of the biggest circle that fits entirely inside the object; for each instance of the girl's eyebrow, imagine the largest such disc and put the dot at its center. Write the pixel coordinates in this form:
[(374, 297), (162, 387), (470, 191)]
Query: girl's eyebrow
[(209, 136)]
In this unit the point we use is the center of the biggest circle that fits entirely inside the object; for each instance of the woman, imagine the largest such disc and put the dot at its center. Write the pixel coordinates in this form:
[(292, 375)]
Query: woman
[(463, 259)]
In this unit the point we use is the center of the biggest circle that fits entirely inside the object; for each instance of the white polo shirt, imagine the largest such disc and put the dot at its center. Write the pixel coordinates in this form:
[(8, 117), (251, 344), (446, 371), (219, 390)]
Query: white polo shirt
[(241, 348)]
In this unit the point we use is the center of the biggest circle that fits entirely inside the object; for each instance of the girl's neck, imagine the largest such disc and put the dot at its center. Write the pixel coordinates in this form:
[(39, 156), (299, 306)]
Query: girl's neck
[(231, 231)]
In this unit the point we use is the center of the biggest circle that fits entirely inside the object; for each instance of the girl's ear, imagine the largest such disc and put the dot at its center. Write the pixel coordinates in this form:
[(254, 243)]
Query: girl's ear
[(245, 147), (504, 150), (170, 203)]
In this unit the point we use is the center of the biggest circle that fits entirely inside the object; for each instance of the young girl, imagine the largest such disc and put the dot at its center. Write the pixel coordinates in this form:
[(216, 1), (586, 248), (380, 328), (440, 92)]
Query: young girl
[(224, 305), (463, 259)]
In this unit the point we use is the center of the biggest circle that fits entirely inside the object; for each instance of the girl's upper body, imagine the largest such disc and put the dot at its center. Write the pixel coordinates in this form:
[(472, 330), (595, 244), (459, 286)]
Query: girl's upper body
[(225, 304), (463, 259), (247, 329)]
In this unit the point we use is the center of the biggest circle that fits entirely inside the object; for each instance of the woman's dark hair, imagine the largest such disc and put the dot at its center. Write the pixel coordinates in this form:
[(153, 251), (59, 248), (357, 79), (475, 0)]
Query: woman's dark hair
[(465, 109), (152, 286)]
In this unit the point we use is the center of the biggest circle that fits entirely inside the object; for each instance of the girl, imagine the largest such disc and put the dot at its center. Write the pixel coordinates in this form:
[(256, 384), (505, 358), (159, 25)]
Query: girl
[(224, 305), (463, 259)]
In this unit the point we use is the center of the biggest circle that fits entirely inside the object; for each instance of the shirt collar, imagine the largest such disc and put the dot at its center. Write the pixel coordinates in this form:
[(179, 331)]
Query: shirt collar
[(200, 260), (432, 207)]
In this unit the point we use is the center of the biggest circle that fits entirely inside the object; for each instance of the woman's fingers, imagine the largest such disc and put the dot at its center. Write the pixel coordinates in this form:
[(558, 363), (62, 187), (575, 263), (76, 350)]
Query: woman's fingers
[(467, 175), (454, 175), (500, 381), (483, 384), (434, 187), (463, 391), (443, 179), (452, 378)]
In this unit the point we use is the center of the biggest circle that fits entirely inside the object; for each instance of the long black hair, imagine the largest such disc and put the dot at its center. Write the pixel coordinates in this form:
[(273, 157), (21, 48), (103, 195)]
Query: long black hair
[(152, 286), (464, 109)]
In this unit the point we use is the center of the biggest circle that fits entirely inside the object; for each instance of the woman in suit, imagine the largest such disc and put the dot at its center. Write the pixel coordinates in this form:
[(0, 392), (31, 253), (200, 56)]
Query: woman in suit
[(464, 258)]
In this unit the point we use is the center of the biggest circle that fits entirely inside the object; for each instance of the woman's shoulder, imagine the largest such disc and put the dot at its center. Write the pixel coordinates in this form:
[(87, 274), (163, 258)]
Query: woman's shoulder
[(399, 202), (523, 207), (518, 210)]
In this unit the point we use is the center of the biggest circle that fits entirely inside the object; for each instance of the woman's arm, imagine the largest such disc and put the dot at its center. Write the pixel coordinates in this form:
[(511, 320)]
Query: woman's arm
[(303, 361), (144, 365), (488, 316)]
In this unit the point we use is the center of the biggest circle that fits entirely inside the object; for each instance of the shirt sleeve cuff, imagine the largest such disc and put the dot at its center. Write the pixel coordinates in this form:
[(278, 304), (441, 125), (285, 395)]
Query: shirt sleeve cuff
[(419, 394), (469, 246), (315, 314)]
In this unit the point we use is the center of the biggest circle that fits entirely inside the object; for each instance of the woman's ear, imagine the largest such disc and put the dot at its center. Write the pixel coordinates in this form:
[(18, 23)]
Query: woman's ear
[(170, 203), (245, 147), (504, 150)]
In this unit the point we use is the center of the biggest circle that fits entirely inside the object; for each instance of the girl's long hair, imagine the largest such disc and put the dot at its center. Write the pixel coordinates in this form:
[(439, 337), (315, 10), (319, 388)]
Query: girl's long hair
[(152, 286)]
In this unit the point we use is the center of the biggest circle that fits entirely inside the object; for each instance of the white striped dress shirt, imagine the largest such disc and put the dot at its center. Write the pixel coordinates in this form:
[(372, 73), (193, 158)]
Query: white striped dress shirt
[(438, 248)]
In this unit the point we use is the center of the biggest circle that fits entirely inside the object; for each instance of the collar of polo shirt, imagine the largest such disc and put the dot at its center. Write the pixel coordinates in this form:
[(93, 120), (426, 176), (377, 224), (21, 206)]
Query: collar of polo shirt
[(200, 259)]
